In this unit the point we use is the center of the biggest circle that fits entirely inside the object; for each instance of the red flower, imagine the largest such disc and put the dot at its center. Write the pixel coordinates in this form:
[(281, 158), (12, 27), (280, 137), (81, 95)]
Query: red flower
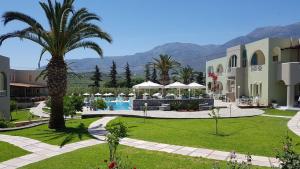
[(112, 165), (134, 167)]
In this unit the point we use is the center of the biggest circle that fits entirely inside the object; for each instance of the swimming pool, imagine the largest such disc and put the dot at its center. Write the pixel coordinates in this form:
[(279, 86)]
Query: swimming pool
[(118, 103)]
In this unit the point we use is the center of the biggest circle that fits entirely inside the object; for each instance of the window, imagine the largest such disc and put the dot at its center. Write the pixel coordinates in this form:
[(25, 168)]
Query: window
[(275, 58), (258, 58), (233, 61)]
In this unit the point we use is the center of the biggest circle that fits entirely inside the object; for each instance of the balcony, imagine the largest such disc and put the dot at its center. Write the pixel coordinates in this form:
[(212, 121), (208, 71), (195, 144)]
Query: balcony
[(3, 93), (231, 71), (256, 68), (289, 72)]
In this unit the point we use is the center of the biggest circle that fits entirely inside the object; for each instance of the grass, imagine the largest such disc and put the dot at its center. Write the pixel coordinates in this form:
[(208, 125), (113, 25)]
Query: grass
[(257, 135), (22, 115), (280, 112), (76, 131), (46, 110), (93, 157), (9, 151)]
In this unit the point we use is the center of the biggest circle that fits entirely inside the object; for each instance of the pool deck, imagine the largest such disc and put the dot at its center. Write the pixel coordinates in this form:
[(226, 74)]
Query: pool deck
[(224, 112)]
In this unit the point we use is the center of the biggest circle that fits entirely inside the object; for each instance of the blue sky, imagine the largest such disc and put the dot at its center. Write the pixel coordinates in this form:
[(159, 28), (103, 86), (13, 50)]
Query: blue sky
[(139, 25)]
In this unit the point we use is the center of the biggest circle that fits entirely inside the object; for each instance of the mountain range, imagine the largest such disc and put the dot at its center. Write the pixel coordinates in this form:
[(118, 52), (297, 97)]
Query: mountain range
[(186, 53)]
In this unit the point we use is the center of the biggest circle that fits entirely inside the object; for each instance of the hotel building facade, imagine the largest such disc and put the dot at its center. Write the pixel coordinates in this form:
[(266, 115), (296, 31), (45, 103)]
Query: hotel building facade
[(267, 70)]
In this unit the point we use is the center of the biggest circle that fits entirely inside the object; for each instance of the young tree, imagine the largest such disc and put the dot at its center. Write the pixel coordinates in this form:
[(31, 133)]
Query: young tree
[(113, 75), (154, 75), (96, 77), (68, 29), (216, 116), (147, 72), (128, 76)]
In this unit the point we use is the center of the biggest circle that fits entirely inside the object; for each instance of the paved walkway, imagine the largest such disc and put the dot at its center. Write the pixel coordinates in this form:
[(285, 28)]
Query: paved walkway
[(38, 110), (97, 130), (286, 117), (234, 111), (294, 124), (40, 151)]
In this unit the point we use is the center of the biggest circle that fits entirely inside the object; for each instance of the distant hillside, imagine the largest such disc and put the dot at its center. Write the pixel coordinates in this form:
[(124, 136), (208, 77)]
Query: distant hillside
[(186, 53)]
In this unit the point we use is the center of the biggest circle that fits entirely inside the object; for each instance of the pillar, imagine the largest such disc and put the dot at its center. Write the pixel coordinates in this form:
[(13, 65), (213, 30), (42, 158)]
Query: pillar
[(290, 96)]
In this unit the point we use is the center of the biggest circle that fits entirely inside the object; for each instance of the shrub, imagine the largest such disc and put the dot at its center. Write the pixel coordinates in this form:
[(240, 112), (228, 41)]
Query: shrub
[(287, 155), (69, 107), (48, 102), (77, 102), (99, 104), (116, 131), (6, 124)]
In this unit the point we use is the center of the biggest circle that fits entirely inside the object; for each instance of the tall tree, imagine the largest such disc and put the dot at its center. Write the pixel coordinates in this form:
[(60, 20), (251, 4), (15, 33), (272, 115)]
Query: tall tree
[(147, 72), (186, 74), (68, 29), (113, 75), (96, 77), (200, 78), (164, 64), (128, 76), (154, 75)]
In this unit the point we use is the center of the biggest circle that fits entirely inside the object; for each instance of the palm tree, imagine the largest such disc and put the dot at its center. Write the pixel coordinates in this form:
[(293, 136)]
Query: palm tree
[(186, 74), (68, 30), (164, 64)]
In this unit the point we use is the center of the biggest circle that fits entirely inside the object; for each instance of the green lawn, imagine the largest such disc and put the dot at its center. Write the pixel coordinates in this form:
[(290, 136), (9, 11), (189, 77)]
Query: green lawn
[(93, 158), (280, 112), (76, 131), (22, 115), (9, 151), (256, 135)]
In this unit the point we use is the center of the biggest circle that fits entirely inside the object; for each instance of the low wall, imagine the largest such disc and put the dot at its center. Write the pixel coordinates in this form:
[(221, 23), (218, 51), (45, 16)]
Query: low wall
[(153, 104)]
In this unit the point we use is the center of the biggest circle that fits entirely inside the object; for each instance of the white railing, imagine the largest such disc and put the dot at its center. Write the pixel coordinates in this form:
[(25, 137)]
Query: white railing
[(3, 93), (256, 68)]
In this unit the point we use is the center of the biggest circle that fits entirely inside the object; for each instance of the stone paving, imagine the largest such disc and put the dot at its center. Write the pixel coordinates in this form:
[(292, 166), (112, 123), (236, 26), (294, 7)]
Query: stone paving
[(294, 124), (231, 111), (97, 130), (39, 150), (38, 110), (286, 117)]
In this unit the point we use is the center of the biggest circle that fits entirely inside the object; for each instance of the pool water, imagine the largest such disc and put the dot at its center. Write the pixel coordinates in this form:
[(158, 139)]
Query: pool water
[(118, 103)]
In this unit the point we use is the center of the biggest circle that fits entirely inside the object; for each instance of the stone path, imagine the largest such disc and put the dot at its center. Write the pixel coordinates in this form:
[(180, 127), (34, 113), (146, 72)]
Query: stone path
[(224, 112), (294, 124), (39, 150), (38, 110), (97, 130), (286, 117)]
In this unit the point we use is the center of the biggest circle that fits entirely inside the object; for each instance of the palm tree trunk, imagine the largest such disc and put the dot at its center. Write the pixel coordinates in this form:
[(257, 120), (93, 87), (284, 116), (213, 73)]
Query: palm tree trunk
[(57, 85)]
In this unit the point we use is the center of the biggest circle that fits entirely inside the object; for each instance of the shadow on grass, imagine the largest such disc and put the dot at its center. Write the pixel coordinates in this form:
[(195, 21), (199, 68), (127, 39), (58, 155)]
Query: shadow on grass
[(67, 135)]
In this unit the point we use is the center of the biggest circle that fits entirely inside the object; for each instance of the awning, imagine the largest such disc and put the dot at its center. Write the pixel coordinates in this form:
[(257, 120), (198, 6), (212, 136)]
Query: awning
[(25, 85)]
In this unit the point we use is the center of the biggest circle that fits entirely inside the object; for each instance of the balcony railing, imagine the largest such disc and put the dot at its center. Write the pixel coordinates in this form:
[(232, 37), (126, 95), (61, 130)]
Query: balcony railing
[(3, 93), (256, 68)]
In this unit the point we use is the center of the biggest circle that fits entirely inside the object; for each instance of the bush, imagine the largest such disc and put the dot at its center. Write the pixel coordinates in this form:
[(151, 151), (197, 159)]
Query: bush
[(117, 128), (190, 106), (69, 107), (6, 124), (287, 155), (77, 102), (99, 104)]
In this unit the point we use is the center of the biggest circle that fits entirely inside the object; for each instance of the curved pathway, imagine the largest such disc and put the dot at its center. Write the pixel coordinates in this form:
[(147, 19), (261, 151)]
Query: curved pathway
[(38, 110), (97, 129), (294, 124), (39, 150)]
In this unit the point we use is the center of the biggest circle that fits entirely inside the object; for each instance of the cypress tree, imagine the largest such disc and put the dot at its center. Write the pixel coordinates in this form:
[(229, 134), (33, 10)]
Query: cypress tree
[(128, 76), (154, 75), (147, 72), (96, 77), (113, 75)]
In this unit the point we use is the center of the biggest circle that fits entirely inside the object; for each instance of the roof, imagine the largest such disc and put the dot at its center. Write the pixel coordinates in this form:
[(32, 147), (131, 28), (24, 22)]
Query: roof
[(26, 85)]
